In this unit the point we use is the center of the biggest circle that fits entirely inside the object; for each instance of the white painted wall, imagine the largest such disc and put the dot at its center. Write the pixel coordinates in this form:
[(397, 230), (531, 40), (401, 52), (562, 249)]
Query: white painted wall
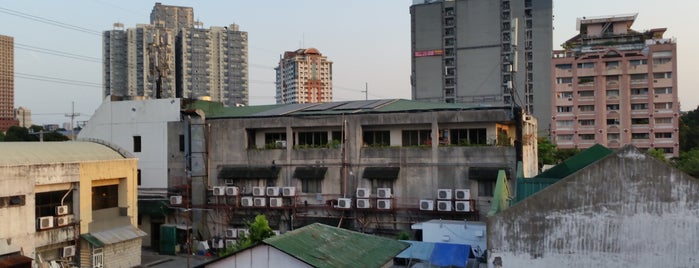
[(454, 232), (118, 121), (259, 257)]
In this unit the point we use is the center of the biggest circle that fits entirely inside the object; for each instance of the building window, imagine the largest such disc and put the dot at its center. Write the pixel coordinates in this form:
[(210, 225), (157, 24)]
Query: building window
[(315, 139), (468, 136), (565, 137), (567, 66), (612, 107), (47, 202), (564, 95), (276, 140), (485, 188), (586, 65), (486, 177), (639, 106), (662, 75), (613, 136), (13, 201), (586, 122), (635, 63), (586, 93), (663, 120), (137, 144), (660, 61), (613, 121), (377, 138), (587, 137), (639, 78), (663, 90), (586, 80), (639, 121), (639, 136), (564, 80), (415, 137), (586, 108), (564, 123), (663, 135), (613, 93), (564, 109), (181, 137), (105, 197), (138, 177), (663, 106), (612, 65), (667, 150), (311, 186), (639, 91)]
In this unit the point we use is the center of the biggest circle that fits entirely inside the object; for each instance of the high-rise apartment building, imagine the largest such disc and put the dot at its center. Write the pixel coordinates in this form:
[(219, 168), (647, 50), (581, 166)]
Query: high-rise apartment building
[(24, 117), (174, 56), (614, 86), (484, 52), (304, 76), (7, 82)]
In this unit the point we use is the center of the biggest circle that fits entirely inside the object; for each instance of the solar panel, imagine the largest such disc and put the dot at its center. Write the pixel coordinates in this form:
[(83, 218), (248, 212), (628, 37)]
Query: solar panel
[(354, 105), (325, 106), (375, 104), (286, 109)]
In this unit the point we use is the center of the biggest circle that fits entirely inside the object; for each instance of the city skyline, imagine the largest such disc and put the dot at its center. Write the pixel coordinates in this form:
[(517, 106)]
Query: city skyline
[(351, 32)]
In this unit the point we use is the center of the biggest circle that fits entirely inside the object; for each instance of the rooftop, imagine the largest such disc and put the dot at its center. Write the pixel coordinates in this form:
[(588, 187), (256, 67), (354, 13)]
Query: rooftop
[(31, 153)]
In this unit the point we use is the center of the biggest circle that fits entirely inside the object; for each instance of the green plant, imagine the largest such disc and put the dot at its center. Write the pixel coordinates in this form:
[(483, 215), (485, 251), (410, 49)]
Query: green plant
[(403, 235)]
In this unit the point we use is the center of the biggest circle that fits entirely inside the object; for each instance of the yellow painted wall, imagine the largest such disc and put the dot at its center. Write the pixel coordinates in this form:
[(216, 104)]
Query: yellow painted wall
[(101, 173)]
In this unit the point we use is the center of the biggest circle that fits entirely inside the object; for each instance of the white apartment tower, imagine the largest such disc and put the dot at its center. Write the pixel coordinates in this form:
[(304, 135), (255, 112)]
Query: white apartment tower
[(304, 76)]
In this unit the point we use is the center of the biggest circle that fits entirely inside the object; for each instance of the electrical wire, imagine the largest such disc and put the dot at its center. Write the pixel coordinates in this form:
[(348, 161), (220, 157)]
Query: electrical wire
[(49, 21), (58, 53), (57, 80)]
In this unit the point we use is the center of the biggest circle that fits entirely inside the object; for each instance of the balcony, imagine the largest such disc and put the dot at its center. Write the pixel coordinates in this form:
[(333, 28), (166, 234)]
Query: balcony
[(638, 69), (54, 235)]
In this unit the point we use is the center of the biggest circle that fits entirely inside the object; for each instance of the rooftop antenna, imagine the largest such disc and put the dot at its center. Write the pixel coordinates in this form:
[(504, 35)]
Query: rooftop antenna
[(72, 116)]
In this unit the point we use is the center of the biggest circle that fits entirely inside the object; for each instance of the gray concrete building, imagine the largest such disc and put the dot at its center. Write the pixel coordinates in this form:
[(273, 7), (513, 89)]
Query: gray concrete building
[(483, 52), (626, 210), (174, 56)]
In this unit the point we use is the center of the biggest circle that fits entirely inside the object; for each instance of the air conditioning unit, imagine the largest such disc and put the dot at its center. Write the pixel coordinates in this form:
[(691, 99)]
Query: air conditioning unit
[(275, 202), (363, 203), (230, 243), (45, 222), (444, 205), (232, 233), (219, 190), (363, 193), (383, 203), (259, 201), (246, 201), (175, 200), (383, 192), (258, 191), (64, 220), (242, 232), (61, 210), (272, 191), (444, 194), (462, 206), (216, 243), (276, 232), (68, 251), (232, 190), (289, 191), (462, 194), (426, 204), (344, 203)]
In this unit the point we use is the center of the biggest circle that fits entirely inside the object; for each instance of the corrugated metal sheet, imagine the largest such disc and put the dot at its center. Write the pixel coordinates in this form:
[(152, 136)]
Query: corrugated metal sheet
[(119, 234), (325, 246), (32, 153), (576, 162), (528, 187)]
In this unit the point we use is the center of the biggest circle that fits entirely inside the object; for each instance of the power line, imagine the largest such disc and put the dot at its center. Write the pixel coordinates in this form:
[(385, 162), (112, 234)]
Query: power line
[(58, 53), (57, 80), (49, 21)]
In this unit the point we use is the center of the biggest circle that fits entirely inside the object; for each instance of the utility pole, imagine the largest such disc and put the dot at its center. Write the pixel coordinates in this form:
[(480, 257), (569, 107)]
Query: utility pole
[(366, 91), (72, 116)]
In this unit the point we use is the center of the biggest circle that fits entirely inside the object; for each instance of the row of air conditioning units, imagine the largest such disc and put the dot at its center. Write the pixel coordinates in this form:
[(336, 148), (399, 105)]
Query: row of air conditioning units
[(51, 221), (458, 194), (236, 233), (363, 203), (380, 193), (249, 201), (445, 205), (256, 191)]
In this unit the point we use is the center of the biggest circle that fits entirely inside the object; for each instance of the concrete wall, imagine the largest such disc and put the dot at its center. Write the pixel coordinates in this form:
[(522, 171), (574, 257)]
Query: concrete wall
[(627, 210), (123, 254), (259, 256)]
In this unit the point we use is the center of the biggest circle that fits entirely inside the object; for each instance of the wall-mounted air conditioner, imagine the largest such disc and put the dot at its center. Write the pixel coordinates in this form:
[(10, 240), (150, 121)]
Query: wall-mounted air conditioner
[(61, 210), (230, 243), (46, 222), (462, 206), (246, 201), (68, 251), (426, 204), (383, 192), (462, 194), (216, 243), (258, 191), (363, 193), (383, 203), (275, 202), (363, 203), (175, 200), (259, 201), (344, 203), (232, 233), (64, 220), (289, 191), (444, 194), (276, 232), (219, 190), (232, 190), (242, 232), (444, 205), (272, 191)]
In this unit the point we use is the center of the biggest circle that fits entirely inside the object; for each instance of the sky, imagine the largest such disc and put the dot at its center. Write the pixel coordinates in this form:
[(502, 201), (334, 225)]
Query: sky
[(367, 40)]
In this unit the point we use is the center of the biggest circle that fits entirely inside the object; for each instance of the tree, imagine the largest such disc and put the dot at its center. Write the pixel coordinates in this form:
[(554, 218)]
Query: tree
[(16, 133), (257, 231), (689, 131), (55, 136), (659, 154), (546, 152), (688, 162)]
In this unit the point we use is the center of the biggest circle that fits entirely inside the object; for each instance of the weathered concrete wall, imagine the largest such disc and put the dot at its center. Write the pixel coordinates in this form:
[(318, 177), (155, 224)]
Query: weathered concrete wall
[(123, 254), (627, 210)]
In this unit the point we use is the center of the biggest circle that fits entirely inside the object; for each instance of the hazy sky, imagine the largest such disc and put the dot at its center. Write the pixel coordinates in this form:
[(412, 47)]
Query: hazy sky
[(368, 41)]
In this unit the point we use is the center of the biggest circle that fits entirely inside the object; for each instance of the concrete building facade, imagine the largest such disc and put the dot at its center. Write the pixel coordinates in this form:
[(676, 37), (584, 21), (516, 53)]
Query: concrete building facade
[(614, 86), (483, 52), (24, 116), (625, 210), (69, 203), (304, 76), (7, 82), (174, 56)]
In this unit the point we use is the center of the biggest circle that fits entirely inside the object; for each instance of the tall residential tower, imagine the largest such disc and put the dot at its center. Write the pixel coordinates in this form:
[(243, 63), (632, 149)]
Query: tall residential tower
[(484, 52), (304, 76), (7, 82), (614, 86)]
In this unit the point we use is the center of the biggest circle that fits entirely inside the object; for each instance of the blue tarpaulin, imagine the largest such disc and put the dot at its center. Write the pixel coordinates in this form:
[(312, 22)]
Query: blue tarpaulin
[(454, 255)]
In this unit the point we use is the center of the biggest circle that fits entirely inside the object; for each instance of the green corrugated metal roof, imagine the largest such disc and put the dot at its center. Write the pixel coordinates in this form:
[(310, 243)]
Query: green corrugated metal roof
[(410, 105), (92, 240), (325, 246), (576, 162), (31, 153)]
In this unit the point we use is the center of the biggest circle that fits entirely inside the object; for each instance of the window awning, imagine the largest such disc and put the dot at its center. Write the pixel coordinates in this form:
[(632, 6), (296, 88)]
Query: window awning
[(248, 173), (381, 173), (15, 261), (92, 240), (310, 173), (113, 236)]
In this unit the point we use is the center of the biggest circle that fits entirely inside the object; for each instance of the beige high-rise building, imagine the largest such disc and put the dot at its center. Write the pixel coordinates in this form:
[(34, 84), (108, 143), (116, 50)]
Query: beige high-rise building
[(614, 86), (304, 76), (7, 82), (24, 116)]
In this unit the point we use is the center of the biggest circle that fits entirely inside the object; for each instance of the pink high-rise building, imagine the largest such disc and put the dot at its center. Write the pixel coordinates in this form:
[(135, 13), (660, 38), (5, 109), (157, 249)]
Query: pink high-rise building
[(614, 86), (7, 83)]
